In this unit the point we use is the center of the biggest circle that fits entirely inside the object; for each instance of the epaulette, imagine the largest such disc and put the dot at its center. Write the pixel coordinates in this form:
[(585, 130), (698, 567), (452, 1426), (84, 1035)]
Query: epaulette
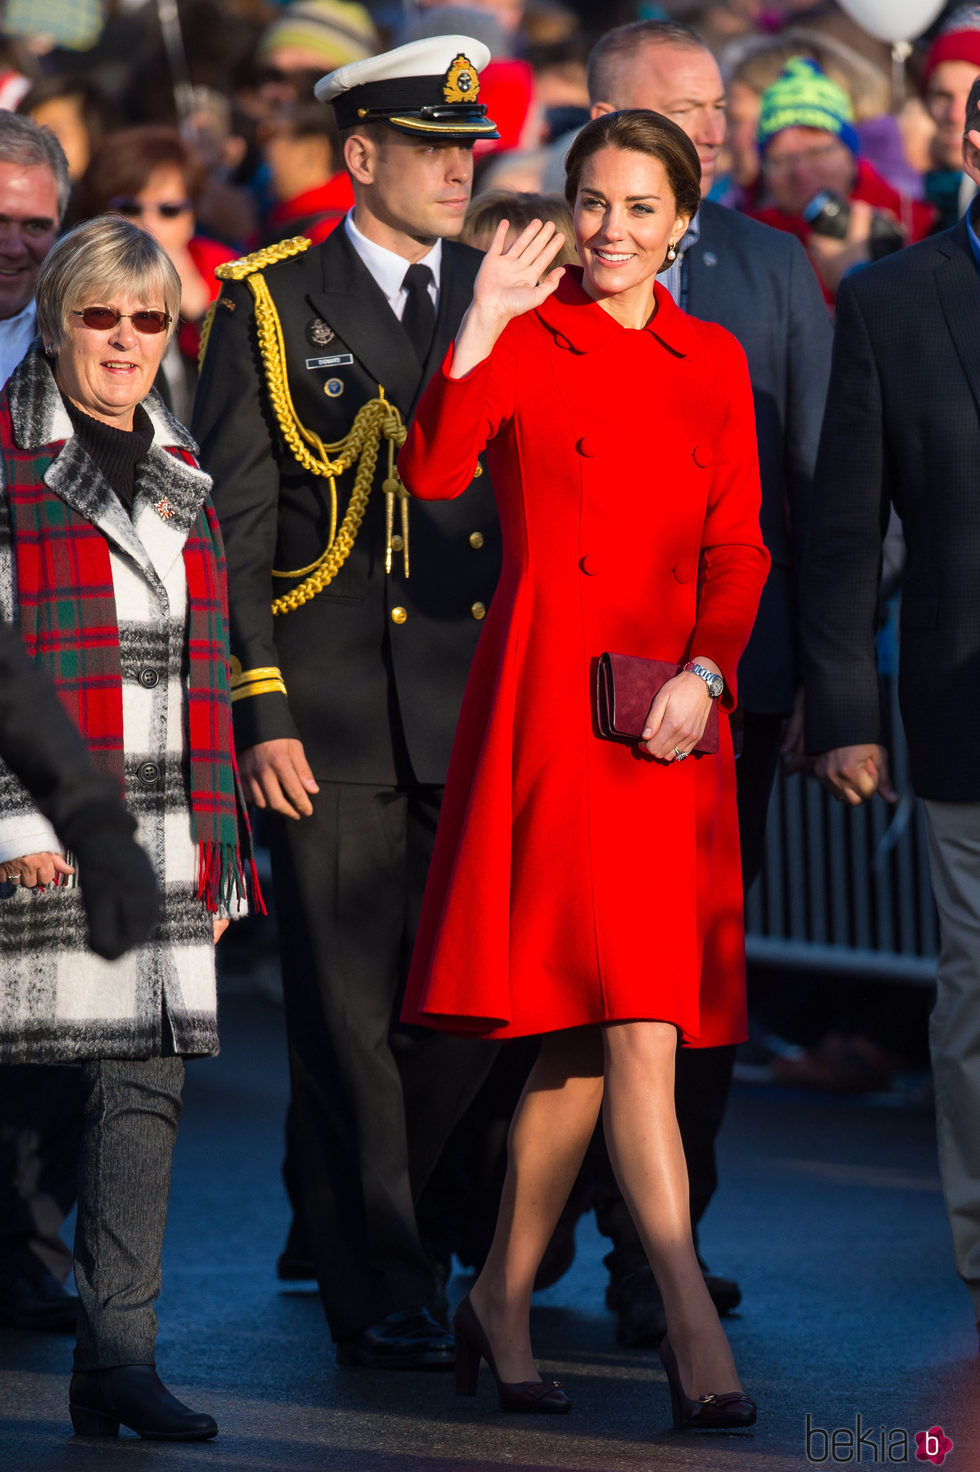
[(259, 259)]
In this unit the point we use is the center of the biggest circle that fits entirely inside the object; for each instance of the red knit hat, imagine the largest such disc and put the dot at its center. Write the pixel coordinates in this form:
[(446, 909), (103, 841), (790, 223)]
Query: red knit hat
[(959, 40)]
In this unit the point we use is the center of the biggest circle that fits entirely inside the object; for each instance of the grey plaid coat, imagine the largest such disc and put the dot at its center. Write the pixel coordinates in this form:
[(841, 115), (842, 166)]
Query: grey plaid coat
[(58, 1001)]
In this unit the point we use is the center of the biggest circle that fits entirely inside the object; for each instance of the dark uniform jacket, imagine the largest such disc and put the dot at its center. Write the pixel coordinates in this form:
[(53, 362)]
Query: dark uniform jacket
[(902, 428), (758, 283), (374, 666)]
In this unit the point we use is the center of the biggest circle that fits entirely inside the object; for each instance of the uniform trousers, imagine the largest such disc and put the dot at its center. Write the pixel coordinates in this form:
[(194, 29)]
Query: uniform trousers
[(372, 1104), (129, 1125), (954, 1027)]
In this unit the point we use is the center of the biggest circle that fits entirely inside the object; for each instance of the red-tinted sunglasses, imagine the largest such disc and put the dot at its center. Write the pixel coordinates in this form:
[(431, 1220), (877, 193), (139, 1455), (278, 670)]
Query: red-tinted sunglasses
[(102, 319)]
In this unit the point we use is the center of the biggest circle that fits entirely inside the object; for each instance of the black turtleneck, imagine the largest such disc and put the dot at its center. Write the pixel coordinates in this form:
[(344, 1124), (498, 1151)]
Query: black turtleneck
[(116, 452)]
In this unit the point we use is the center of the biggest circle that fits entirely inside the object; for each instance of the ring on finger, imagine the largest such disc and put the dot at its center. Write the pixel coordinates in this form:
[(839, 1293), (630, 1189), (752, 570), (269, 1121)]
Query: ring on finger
[(680, 755), (15, 879)]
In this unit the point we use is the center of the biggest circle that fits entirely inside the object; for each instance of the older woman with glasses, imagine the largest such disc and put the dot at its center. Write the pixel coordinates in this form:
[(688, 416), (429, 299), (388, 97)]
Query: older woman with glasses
[(111, 567)]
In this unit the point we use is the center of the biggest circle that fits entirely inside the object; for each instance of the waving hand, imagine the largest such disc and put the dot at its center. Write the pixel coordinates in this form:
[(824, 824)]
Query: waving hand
[(508, 283)]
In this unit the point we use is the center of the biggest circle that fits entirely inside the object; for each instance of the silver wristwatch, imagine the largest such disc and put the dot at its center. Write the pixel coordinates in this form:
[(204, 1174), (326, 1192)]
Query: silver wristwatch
[(715, 683)]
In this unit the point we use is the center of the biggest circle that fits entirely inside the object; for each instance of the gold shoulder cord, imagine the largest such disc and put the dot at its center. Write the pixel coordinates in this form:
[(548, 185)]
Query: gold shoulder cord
[(374, 420)]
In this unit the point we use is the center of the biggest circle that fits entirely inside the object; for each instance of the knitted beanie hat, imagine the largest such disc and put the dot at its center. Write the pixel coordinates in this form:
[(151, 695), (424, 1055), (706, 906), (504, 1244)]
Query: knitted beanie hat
[(959, 40), (803, 96), (331, 32)]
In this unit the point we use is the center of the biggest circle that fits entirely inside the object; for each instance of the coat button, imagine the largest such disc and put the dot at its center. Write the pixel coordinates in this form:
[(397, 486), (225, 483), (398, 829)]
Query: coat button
[(148, 773), (398, 615), (148, 678), (589, 564), (479, 610), (587, 446), (397, 542), (476, 540)]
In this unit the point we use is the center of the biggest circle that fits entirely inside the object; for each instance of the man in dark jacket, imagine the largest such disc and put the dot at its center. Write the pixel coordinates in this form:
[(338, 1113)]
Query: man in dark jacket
[(902, 429), (350, 661)]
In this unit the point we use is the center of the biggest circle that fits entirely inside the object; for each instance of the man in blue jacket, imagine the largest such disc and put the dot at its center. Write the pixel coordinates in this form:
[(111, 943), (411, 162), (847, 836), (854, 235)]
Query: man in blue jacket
[(902, 431)]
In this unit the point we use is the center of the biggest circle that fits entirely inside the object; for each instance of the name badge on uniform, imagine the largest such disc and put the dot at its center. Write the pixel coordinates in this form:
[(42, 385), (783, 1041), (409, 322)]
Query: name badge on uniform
[(339, 360)]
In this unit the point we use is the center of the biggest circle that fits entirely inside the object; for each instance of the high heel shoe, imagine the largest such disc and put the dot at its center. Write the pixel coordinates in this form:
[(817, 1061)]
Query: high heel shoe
[(726, 1412), (546, 1397)]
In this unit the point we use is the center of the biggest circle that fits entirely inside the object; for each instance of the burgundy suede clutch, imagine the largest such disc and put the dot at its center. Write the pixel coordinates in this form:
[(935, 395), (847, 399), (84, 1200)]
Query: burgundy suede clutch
[(624, 686)]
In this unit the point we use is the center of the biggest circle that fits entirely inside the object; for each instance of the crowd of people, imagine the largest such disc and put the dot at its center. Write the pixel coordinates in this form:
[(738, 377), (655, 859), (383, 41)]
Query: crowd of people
[(465, 437)]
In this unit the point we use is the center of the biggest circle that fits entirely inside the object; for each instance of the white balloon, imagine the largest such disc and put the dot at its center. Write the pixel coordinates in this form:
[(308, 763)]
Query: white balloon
[(893, 20)]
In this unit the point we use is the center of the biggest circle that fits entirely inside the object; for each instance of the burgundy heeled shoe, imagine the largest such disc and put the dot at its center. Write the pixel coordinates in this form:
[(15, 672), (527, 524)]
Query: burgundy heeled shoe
[(728, 1412), (545, 1397)]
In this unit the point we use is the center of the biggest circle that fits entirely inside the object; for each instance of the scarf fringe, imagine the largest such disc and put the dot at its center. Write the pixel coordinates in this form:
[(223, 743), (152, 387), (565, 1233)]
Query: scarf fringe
[(223, 879)]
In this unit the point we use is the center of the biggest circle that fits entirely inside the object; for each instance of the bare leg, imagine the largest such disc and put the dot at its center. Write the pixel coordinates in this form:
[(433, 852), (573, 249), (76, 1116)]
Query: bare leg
[(551, 1128), (645, 1149)]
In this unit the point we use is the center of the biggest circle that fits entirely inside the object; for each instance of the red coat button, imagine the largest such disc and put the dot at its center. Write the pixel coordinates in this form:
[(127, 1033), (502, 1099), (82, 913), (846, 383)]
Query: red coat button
[(589, 564), (587, 446)]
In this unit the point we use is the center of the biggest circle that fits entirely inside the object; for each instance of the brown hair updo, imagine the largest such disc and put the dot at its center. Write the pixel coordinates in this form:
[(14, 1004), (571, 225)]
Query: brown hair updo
[(637, 130)]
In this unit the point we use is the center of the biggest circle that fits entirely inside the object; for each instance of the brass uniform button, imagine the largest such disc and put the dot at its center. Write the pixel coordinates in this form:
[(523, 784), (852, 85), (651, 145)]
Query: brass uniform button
[(476, 540), (398, 615), (479, 610), (397, 542)]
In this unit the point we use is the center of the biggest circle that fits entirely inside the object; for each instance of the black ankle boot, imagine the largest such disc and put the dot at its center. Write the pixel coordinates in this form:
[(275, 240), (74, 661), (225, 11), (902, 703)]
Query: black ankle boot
[(100, 1401)]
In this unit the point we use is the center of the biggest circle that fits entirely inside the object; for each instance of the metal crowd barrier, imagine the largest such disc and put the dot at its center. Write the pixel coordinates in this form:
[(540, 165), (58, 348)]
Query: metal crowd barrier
[(846, 889)]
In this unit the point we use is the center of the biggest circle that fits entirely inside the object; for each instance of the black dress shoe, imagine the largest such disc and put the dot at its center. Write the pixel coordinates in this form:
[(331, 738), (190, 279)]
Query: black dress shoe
[(31, 1297), (641, 1319), (409, 1339), (100, 1401), (294, 1269), (726, 1295)]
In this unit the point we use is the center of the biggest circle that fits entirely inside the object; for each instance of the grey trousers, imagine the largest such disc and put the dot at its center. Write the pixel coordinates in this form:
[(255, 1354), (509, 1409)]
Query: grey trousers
[(129, 1125), (954, 1027)]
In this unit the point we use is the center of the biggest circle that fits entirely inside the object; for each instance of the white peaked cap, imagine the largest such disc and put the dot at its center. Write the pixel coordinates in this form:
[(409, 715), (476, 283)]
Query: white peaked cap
[(431, 57)]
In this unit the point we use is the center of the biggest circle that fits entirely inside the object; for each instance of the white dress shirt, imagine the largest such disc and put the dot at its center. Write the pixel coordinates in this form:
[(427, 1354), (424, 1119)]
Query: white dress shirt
[(388, 269), (16, 335)]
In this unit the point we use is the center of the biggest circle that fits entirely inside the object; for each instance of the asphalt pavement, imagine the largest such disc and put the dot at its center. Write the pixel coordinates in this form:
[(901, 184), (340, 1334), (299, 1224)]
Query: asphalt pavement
[(829, 1214)]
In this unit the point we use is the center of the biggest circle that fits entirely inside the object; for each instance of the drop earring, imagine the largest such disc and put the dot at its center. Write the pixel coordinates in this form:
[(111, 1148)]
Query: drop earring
[(672, 252)]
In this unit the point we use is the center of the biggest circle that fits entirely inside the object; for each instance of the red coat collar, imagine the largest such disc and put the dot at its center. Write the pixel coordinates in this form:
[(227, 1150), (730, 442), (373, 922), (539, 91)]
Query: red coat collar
[(580, 324)]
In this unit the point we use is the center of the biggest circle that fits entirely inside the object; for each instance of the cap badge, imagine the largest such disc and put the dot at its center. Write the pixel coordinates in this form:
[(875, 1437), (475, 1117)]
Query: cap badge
[(462, 81)]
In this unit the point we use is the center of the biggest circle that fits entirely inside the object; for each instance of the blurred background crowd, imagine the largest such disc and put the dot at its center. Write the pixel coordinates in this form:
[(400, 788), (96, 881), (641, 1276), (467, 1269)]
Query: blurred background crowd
[(197, 117)]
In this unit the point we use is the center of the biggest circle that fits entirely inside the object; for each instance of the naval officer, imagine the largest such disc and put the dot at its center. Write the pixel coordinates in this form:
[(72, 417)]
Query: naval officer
[(354, 616)]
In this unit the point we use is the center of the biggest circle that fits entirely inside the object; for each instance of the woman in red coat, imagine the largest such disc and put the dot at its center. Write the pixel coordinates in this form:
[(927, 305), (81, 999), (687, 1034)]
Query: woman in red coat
[(579, 888)]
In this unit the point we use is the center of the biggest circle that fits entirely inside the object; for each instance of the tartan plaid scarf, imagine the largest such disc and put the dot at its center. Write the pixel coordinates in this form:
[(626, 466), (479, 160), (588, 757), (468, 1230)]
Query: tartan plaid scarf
[(67, 619)]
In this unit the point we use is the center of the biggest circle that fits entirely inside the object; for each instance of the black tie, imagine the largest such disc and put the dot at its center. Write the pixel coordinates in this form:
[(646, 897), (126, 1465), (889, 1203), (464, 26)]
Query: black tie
[(419, 317)]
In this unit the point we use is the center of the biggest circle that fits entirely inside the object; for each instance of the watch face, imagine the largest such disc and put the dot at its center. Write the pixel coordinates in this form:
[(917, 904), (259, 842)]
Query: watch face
[(715, 686)]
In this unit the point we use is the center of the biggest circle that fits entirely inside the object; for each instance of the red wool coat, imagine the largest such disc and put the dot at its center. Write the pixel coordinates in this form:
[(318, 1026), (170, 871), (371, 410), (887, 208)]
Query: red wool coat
[(575, 880)]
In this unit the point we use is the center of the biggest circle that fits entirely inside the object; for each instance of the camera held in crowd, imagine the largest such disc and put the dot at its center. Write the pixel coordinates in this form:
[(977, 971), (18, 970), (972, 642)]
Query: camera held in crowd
[(829, 215)]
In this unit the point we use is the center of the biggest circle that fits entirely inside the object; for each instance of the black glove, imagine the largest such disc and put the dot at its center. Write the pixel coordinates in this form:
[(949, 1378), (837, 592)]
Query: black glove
[(119, 889)]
